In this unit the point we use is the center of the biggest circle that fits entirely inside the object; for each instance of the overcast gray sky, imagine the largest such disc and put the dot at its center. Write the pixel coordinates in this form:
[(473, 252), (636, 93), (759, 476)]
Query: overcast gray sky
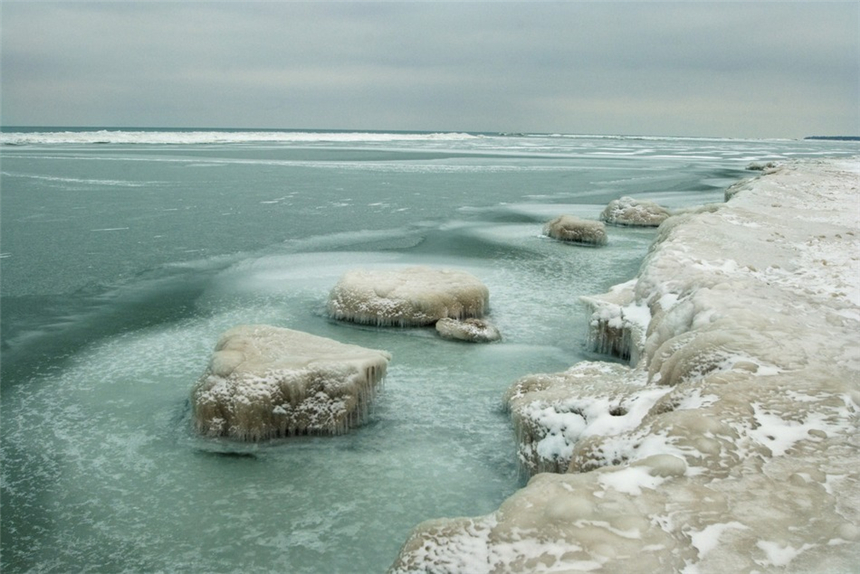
[(747, 69)]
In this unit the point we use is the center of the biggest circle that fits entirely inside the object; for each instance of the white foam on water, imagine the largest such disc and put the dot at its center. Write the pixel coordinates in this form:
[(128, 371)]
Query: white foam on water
[(217, 137)]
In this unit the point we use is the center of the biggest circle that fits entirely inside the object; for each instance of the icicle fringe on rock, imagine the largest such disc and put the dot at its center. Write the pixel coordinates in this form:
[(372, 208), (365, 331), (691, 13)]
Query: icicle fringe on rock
[(410, 297), (266, 382), (617, 324)]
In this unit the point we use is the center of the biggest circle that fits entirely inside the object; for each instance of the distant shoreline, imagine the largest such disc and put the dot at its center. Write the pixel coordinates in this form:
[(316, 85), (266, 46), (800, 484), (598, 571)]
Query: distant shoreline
[(834, 138)]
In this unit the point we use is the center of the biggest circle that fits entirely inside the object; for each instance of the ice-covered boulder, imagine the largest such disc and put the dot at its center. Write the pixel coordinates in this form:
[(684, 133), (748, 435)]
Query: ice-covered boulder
[(264, 382), (471, 330), (627, 211), (575, 230), (410, 297)]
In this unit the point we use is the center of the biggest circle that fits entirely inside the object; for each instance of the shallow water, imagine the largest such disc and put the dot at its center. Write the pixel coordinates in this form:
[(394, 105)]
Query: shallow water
[(123, 261)]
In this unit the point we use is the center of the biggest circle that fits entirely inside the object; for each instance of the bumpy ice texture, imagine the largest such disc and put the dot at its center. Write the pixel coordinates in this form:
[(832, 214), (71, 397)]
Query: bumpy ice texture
[(264, 382), (635, 213), (576, 230), (735, 444), (410, 297), (470, 330), (553, 413)]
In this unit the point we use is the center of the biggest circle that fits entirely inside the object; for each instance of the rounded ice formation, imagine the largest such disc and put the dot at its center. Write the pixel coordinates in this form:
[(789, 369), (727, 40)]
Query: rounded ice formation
[(575, 230), (410, 297), (762, 166), (265, 382), (634, 213), (472, 330)]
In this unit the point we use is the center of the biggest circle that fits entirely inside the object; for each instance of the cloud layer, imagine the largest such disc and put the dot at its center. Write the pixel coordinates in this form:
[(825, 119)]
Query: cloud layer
[(699, 68)]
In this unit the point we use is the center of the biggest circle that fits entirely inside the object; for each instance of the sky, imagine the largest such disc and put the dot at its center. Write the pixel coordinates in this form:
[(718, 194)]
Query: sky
[(714, 69)]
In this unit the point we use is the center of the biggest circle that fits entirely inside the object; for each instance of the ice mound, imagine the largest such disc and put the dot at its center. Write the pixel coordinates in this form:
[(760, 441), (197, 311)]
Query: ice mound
[(471, 330), (576, 230), (551, 413), (635, 213), (732, 443), (409, 297), (264, 382)]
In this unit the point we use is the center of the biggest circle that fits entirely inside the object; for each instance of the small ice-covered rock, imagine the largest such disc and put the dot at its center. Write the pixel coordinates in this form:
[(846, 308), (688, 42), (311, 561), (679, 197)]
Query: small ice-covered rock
[(631, 212), (575, 230), (762, 166), (410, 297), (264, 382), (472, 330)]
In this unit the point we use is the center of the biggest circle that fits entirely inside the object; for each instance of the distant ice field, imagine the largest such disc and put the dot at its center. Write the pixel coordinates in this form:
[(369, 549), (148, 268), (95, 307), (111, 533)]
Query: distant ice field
[(125, 253)]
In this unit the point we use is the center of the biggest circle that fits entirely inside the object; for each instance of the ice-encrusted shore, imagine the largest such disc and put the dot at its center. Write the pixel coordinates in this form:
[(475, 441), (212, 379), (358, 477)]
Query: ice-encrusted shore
[(730, 444)]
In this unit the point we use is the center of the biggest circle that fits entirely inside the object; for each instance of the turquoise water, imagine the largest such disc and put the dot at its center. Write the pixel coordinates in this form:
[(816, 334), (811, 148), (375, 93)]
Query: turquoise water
[(124, 254)]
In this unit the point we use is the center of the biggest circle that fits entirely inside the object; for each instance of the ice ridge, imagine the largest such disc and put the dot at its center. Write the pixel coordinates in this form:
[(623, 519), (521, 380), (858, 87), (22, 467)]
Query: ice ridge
[(729, 443)]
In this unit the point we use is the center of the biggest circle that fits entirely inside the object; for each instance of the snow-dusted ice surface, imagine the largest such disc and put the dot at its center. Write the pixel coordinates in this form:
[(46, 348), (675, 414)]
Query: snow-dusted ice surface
[(747, 458), (264, 382)]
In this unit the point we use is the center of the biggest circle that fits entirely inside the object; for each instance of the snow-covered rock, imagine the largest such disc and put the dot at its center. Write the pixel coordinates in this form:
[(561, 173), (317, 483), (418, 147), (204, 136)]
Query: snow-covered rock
[(264, 382), (471, 330), (413, 296), (631, 212), (747, 455), (552, 413), (575, 230)]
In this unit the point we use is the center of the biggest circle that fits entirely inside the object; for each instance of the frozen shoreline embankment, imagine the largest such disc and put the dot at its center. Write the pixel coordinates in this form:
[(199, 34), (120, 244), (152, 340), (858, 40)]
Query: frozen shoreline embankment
[(731, 443)]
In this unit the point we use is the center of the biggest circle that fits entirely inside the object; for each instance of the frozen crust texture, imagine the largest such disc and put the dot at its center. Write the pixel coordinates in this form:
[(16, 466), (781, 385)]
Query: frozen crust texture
[(264, 382), (575, 230), (410, 297)]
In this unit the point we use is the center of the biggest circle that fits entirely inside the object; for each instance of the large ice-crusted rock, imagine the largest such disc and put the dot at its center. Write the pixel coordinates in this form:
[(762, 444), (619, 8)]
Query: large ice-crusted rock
[(748, 457), (410, 297), (575, 230), (631, 212), (264, 382), (471, 330)]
